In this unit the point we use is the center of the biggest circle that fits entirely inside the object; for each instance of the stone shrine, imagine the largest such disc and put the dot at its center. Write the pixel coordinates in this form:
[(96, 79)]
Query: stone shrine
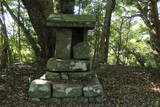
[(70, 78)]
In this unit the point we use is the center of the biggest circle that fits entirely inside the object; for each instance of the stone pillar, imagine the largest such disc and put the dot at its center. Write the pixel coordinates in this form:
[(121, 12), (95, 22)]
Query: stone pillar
[(63, 43)]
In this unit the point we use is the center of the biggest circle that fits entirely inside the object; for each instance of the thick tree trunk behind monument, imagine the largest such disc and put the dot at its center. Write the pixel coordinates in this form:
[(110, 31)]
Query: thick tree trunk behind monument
[(38, 11)]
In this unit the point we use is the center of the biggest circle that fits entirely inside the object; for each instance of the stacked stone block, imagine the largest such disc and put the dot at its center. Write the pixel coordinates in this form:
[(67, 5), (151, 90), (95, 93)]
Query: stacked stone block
[(69, 78)]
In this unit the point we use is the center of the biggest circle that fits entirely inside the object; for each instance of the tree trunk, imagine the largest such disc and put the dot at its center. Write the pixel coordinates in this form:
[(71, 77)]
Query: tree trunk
[(104, 43), (38, 11), (155, 33)]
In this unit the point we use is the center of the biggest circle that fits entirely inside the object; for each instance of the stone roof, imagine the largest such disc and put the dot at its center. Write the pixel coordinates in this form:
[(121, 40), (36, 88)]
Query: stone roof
[(71, 21)]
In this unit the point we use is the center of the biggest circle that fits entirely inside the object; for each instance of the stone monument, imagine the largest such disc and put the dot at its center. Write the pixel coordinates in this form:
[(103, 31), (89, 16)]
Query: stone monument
[(70, 78)]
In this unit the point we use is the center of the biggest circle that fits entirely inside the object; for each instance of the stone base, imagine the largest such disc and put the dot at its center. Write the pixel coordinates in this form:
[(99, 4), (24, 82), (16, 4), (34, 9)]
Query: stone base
[(70, 65), (76, 100), (67, 91), (54, 76)]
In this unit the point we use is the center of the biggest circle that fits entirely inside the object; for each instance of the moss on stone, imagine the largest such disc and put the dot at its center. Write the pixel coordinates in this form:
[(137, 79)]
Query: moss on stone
[(71, 18), (68, 20)]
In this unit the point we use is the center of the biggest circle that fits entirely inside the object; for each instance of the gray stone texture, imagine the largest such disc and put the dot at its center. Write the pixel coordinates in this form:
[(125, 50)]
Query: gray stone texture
[(65, 90), (67, 65), (82, 100), (52, 100), (63, 43), (79, 75), (77, 100), (40, 89), (98, 99), (94, 88), (81, 51), (64, 76), (71, 21), (52, 75), (34, 100)]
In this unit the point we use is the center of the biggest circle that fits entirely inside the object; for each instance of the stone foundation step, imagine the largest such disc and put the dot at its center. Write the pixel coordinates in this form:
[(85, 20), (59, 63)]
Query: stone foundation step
[(49, 90), (75, 100), (67, 75), (61, 65)]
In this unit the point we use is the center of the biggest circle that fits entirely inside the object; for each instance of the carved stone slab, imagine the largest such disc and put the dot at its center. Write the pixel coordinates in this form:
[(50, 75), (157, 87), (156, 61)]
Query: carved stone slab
[(63, 43)]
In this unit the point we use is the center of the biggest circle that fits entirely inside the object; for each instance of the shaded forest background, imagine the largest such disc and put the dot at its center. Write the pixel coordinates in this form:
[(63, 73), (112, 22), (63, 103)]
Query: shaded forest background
[(126, 33)]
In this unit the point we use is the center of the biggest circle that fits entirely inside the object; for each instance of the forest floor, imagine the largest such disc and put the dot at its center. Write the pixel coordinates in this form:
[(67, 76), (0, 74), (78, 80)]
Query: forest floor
[(122, 88)]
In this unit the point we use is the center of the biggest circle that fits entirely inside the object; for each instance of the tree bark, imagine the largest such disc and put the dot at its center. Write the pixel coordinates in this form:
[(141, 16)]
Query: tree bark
[(155, 33), (104, 43), (38, 11)]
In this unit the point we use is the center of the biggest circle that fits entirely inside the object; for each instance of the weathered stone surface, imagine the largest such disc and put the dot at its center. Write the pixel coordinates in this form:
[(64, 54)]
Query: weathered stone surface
[(40, 89), (34, 100), (77, 100), (68, 20), (76, 75), (81, 51), (94, 88), (67, 65), (82, 100), (2, 88), (63, 43), (98, 99), (53, 100), (59, 90), (65, 90), (68, 100), (52, 75), (64, 76), (94, 80), (74, 90)]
